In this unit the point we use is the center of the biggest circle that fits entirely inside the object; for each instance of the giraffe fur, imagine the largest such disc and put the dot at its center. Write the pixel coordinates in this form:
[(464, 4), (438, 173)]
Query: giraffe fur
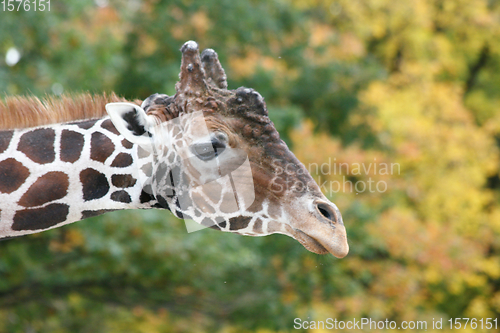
[(207, 153), (92, 166)]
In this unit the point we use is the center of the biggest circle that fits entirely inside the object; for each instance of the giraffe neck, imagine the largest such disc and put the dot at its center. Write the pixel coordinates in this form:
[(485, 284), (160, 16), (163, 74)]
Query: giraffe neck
[(59, 174)]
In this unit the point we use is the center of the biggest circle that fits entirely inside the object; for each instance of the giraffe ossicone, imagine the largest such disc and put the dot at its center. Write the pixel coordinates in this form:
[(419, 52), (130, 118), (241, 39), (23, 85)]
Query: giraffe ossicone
[(207, 154)]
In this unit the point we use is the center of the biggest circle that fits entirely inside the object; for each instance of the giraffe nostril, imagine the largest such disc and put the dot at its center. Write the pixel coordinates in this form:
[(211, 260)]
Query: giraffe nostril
[(326, 211)]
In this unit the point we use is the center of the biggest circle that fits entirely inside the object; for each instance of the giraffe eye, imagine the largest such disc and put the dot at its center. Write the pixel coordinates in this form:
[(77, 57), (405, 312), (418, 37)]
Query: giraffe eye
[(208, 150)]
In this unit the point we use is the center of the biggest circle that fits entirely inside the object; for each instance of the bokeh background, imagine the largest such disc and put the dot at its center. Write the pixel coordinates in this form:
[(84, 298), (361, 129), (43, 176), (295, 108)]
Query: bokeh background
[(348, 81)]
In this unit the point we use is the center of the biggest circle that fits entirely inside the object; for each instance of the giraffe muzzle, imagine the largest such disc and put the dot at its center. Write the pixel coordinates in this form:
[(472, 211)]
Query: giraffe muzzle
[(322, 229)]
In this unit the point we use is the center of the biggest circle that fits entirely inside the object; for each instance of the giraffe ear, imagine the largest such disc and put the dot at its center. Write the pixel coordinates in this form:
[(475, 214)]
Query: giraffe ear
[(132, 122)]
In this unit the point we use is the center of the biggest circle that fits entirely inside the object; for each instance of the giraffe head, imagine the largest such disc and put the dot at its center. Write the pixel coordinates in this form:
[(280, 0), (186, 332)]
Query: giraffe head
[(213, 155)]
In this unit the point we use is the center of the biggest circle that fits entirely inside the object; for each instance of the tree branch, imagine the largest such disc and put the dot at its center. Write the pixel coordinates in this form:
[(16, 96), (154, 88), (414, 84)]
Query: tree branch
[(476, 68)]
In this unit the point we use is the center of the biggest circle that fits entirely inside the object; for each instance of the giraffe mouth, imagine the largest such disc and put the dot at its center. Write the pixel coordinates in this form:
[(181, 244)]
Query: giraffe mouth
[(323, 243), (309, 243)]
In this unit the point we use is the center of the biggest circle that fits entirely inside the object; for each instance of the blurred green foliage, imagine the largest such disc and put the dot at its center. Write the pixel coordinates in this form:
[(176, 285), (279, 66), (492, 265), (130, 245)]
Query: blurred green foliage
[(367, 81)]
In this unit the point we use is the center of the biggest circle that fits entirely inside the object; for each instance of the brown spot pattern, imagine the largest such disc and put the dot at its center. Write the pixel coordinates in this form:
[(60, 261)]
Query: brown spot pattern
[(127, 144), (240, 222), (141, 153), (92, 213), (147, 169), (71, 146), (38, 145), (273, 227), (122, 160), (40, 218), (49, 187), (95, 184), (229, 203), (123, 181), (5, 138), (86, 124), (101, 147), (257, 227), (12, 175), (108, 125), (146, 197), (121, 196)]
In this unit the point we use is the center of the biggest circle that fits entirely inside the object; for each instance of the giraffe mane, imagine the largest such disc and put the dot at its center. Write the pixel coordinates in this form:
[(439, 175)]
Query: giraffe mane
[(30, 111)]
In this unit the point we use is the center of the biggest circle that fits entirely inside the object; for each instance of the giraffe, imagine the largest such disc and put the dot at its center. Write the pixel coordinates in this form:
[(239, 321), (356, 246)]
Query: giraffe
[(207, 153)]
